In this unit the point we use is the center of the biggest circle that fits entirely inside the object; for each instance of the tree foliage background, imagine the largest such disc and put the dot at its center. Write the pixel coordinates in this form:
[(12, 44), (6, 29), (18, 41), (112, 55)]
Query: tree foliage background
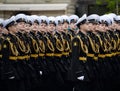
[(111, 5)]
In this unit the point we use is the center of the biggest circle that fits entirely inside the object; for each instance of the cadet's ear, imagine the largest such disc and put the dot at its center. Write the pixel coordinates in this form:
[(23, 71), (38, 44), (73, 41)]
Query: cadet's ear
[(9, 28)]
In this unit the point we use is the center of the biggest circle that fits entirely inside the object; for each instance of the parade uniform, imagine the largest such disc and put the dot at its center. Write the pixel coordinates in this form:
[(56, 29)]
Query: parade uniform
[(63, 59), (10, 74), (80, 64)]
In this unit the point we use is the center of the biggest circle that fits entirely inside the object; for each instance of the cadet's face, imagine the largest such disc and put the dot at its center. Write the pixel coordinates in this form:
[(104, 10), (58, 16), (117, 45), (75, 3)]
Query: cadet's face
[(107, 28), (59, 28), (35, 26), (84, 27), (90, 26), (1, 29), (21, 26), (117, 26), (65, 25), (5, 31), (95, 27), (110, 27), (27, 27), (114, 25), (51, 27), (43, 27), (73, 26), (13, 29), (102, 27)]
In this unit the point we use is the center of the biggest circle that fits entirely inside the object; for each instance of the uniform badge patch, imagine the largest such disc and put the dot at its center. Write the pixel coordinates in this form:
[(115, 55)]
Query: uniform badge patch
[(4, 46)]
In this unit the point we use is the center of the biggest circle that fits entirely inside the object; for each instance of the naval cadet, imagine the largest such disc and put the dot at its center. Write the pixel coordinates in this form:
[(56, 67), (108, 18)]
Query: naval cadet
[(72, 27), (80, 68), (10, 70)]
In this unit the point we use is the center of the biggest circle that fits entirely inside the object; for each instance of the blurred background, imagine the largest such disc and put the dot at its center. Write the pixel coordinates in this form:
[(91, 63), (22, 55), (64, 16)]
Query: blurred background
[(58, 7)]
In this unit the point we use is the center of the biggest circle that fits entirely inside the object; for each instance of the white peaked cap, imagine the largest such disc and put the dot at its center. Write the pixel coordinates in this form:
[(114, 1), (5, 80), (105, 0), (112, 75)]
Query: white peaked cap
[(75, 17), (58, 19), (111, 19), (81, 19), (44, 18), (106, 18), (20, 16), (113, 15), (65, 17), (35, 17), (93, 16), (29, 19), (51, 18), (117, 18), (8, 21)]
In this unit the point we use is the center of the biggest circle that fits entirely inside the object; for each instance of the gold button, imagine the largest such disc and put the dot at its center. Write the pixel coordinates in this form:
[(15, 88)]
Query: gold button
[(75, 43)]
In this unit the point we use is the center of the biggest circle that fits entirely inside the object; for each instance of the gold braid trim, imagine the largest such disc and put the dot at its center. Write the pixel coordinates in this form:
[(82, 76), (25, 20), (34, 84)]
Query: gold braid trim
[(119, 45), (35, 45), (106, 45), (59, 45), (41, 46), (66, 45), (114, 44), (102, 43), (50, 44), (13, 48), (83, 46), (95, 46), (117, 42), (27, 49), (1, 43), (71, 38), (100, 40), (21, 44), (109, 42)]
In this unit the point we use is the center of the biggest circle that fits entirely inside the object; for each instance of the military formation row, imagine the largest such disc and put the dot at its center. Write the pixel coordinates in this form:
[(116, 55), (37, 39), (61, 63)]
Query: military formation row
[(62, 53)]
